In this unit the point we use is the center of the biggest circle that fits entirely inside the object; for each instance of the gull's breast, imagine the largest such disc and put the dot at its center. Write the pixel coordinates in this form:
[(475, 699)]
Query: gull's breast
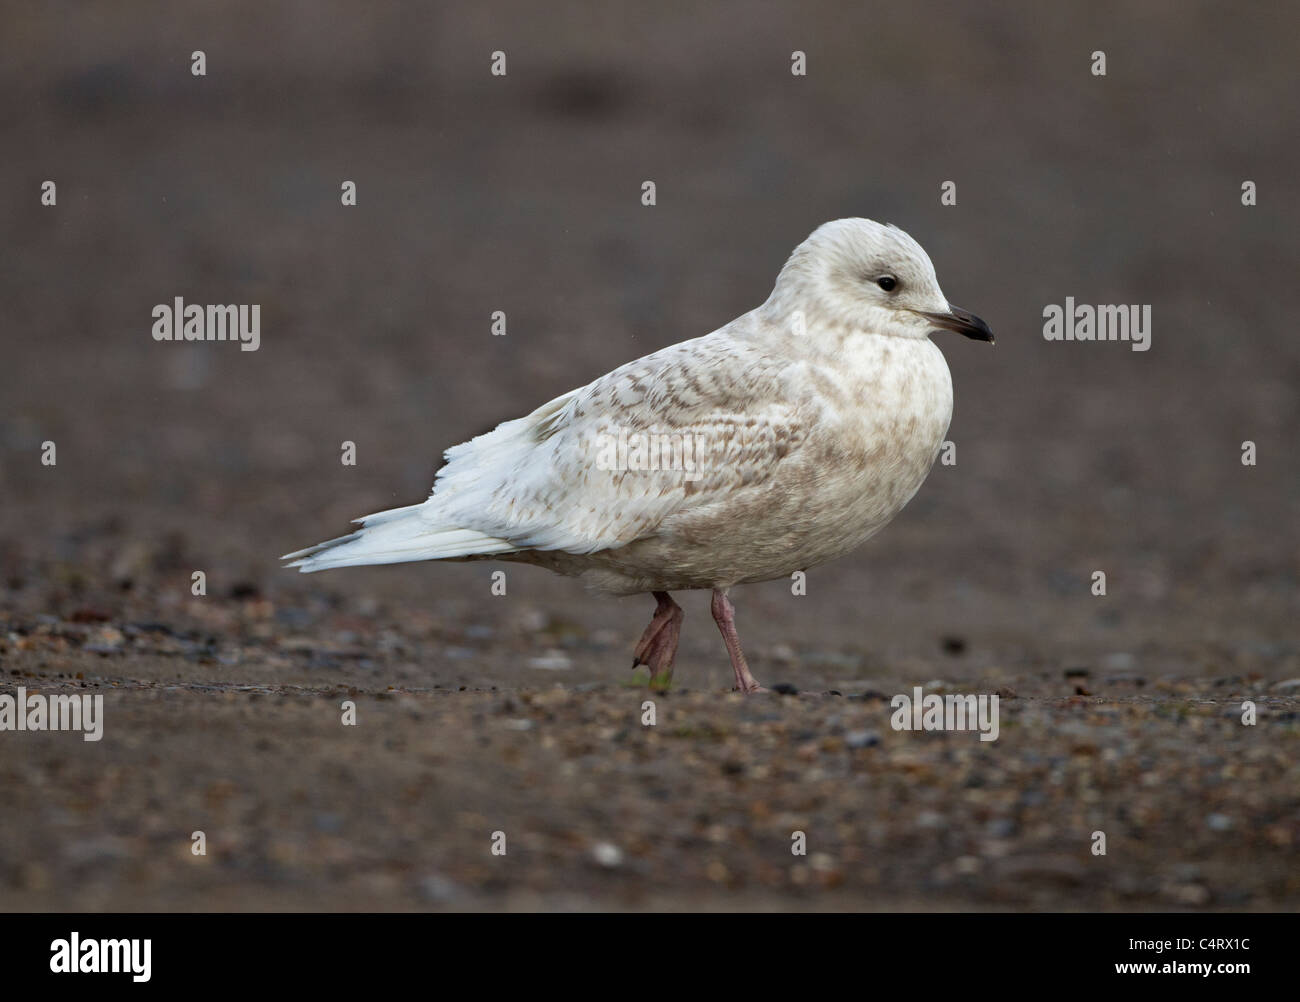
[(875, 422), (865, 464)]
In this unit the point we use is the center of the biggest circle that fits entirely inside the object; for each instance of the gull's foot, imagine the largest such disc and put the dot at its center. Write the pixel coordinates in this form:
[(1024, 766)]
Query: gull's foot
[(666, 622), (657, 648), (661, 646), (643, 677)]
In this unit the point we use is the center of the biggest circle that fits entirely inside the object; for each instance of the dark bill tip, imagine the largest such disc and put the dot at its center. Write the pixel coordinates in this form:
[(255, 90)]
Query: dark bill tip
[(961, 322)]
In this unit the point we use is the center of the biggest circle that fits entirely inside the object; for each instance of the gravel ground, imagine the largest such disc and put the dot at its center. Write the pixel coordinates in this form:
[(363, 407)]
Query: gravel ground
[(234, 727), (478, 713)]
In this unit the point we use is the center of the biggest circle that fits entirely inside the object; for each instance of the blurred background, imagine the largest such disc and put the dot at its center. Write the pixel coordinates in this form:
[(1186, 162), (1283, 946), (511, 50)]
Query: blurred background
[(521, 193)]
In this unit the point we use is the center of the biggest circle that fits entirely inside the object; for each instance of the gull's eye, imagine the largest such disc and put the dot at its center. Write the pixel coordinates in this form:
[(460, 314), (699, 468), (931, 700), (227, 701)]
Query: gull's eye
[(887, 282)]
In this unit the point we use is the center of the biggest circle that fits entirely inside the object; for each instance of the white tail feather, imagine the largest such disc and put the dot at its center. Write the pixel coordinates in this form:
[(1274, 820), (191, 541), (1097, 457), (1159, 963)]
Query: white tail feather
[(396, 536)]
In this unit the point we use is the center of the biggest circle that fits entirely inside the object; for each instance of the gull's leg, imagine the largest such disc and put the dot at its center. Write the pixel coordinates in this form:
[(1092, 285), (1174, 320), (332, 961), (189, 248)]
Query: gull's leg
[(658, 644), (724, 614), (663, 652), (663, 613)]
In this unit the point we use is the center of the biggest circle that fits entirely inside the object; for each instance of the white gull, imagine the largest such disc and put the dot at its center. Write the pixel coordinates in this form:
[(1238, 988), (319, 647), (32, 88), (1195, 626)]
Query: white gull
[(780, 441)]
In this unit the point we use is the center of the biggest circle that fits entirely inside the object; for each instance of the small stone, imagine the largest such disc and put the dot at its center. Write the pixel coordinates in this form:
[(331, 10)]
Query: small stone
[(861, 739), (1189, 894), (88, 614), (551, 661), (607, 854), (438, 888), (106, 640), (327, 821), (531, 620)]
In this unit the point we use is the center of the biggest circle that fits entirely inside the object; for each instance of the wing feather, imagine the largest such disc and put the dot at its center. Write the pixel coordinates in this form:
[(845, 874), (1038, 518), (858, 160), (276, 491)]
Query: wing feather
[(569, 475)]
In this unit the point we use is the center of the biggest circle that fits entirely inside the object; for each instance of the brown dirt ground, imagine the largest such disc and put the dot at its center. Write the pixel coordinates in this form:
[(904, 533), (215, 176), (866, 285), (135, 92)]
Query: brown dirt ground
[(480, 714)]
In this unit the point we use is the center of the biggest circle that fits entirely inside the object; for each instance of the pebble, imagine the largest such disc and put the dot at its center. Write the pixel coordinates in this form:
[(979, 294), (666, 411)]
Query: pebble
[(439, 889), (551, 661), (607, 855)]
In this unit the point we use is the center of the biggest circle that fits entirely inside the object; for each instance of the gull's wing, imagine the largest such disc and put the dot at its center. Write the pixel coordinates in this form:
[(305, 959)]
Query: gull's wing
[(545, 481)]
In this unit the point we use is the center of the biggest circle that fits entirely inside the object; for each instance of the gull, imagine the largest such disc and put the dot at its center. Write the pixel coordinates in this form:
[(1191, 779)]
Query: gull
[(780, 441)]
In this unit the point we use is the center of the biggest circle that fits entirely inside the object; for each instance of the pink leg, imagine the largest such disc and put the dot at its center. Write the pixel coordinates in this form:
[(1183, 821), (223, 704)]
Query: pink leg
[(724, 614), (658, 645), (663, 613)]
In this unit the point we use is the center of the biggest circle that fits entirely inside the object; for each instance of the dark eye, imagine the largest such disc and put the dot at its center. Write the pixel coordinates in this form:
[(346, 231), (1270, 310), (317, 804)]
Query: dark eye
[(887, 282)]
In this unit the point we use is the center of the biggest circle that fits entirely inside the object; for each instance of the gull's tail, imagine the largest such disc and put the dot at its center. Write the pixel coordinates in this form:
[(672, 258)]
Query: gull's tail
[(397, 536)]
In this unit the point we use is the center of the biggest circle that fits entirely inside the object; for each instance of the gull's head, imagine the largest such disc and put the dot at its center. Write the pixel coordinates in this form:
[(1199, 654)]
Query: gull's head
[(857, 274)]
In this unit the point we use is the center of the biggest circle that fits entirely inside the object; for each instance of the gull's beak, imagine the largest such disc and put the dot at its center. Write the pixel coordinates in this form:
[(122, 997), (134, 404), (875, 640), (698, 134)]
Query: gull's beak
[(960, 322)]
